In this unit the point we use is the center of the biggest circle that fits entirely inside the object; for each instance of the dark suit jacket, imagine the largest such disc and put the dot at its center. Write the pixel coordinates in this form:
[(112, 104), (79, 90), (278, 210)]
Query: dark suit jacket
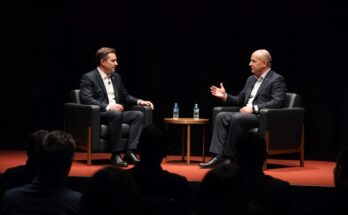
[(271, 94), (93, 91)]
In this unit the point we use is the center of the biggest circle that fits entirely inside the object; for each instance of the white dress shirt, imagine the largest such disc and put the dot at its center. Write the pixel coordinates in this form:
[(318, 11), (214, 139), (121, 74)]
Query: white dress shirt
[(254, 91), (109, 88)]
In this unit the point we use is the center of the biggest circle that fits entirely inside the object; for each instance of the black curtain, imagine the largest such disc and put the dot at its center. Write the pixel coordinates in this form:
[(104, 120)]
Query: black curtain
[(173, 51)]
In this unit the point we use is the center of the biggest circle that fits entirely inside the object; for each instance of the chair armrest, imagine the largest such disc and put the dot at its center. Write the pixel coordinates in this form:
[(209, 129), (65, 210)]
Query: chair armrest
[(148, 113), (285, 122), (78, 118)]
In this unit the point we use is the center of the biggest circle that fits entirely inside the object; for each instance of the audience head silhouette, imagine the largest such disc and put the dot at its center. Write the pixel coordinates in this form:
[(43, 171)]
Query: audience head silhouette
[(341, 169), (33, 140), (224, 178), (24, 174), (111, 190), (46, 194), (55, 155), (153, 144), (251, 150)]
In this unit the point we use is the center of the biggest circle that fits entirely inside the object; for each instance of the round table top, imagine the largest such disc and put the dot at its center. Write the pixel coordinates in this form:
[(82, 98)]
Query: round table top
[(185, 121)]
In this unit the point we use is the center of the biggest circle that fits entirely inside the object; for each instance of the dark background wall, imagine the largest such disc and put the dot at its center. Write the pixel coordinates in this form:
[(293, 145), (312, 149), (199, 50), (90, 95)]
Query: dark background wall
[(173, 51)]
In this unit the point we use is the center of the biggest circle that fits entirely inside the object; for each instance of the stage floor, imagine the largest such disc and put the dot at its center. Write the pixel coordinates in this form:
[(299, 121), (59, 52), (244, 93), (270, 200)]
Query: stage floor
[(314, 173)]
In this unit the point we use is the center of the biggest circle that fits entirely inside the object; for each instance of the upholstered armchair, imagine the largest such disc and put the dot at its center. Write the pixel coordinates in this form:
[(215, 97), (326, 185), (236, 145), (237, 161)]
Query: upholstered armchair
[(83, 122), (283, 129)]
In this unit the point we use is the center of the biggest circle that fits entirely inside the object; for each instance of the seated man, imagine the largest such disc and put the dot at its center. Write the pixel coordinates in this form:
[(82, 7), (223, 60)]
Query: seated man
[(264, 89), (47, 193), (103, 87)]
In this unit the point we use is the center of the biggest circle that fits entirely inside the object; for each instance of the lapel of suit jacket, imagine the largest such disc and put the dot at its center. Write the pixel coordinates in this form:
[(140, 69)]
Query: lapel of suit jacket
[(114, 84), (101, 82), (264, 83)]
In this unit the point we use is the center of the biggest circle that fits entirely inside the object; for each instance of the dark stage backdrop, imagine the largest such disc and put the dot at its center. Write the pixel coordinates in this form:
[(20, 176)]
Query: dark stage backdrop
[(173, 51)]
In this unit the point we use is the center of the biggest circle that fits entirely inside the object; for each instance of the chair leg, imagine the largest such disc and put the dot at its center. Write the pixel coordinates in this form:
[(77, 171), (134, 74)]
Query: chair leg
[(302, 159), (302, 148), (264, 167), (89, 147), (267, 148)]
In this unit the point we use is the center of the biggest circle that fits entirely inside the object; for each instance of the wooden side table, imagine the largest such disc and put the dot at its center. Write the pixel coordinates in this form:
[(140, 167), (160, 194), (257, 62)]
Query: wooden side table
[(187, 122)]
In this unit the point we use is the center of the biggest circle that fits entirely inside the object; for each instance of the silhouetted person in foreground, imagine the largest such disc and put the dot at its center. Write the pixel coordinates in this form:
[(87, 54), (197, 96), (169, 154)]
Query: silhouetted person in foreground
[(265, 194), (221, 192), (336, 201), (24, 174), (111, 191), (47, 193), (341, 170), (3, 185), (152, 180)]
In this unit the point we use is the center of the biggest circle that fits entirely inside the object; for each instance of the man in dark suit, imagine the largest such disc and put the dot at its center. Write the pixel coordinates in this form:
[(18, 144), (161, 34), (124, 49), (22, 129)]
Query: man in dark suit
[(103, 87), (264, 89)]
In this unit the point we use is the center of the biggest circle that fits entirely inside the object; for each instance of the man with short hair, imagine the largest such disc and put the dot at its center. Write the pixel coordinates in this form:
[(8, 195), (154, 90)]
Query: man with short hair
[(103, 87), (24, 174), (153, 181), (47, 193), (265, 194)]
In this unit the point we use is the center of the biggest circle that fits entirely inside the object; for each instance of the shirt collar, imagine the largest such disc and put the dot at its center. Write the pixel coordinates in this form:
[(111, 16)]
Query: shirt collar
[(263, 75), (102, 73)]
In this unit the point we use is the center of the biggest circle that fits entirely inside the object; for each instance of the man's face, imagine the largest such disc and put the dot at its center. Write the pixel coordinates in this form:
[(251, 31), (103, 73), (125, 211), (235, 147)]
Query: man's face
[(257, 65), (110, 63)]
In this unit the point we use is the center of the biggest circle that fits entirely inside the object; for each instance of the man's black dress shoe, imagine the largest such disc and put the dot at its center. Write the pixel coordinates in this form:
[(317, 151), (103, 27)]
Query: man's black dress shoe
[(212, 163), (117, 161), (131, 158)]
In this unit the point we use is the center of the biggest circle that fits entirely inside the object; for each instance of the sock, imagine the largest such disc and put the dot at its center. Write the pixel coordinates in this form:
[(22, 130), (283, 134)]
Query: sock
[(114, 154), (129, 151), (219, 156)]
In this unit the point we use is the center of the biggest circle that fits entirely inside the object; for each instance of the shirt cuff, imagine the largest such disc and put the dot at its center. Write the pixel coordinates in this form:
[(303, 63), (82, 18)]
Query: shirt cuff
[(256, 109), (107, 107)]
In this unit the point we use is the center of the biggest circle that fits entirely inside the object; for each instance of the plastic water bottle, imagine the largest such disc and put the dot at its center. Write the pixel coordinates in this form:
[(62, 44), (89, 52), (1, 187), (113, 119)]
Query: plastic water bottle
[(176, 111), (196, 112)]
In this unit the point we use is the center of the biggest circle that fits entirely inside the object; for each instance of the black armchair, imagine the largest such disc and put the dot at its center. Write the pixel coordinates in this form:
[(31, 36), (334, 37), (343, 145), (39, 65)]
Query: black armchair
[(283, 129), (83, 122)]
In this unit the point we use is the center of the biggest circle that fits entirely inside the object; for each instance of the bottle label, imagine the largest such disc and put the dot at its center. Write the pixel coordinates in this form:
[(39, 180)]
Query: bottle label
[(195, 113), (175, 112)]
